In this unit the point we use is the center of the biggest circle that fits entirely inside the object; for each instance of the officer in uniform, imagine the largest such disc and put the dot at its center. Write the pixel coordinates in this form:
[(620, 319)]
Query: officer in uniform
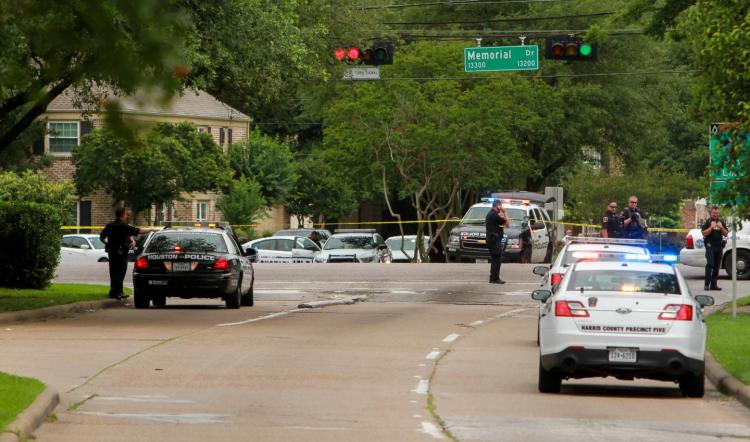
[(634, 224), (495, 222), (611, 227), (714, 230)]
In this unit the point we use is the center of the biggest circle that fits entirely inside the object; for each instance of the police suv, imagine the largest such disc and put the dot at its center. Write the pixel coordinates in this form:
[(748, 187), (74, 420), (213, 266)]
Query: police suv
[(528, 236), (623, 319), (193, 262)]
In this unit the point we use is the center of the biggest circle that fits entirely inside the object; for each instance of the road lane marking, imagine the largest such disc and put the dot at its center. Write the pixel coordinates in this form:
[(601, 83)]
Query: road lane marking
[(261, 318), (432, 355), (141, 399), (432, 430), (477, 323), (451, 337), (510, 313), (422, 387), (163, 417), (423, 365)]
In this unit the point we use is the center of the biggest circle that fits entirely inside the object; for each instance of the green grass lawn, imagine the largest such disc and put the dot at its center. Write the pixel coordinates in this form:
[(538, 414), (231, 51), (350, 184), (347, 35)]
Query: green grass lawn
[(13, 300), (16, 394), (729, 341)]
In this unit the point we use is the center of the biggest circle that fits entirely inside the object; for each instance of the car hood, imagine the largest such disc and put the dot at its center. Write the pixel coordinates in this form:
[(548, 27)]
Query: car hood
[(480, 231), (397, 254)]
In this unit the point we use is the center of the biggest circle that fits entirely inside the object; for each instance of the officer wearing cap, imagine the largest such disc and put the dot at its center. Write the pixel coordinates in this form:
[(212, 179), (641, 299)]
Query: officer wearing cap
[(634, 224), (714, 230), (495, 221), (611, 227)]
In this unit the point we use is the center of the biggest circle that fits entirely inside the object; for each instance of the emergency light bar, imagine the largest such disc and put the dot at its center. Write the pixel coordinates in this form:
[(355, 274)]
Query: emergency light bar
[(506, 201), (600, 240), (664, 258)]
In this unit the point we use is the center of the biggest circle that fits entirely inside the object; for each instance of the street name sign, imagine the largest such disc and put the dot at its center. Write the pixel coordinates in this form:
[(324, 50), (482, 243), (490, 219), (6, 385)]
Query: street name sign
[(501, 58), (723, 170), (362, 73)]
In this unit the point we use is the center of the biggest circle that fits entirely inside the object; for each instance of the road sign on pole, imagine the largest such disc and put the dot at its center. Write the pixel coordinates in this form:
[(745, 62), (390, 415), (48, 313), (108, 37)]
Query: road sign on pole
[(501, 58), (362, 73)]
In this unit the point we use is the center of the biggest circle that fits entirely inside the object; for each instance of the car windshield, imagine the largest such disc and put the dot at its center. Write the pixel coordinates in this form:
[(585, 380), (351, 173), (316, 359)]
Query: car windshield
[(624, 281), (409, 243), (572, 256), (96, 242), (187, 242), (350, 242), (477, 215)]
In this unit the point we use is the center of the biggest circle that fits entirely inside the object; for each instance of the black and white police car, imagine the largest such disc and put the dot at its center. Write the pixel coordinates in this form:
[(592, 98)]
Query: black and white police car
[(623, 319), (201, 261)]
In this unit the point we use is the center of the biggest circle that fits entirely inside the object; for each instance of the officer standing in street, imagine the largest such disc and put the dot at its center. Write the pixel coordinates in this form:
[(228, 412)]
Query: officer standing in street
[(611, 222), (495, 222), (714, 230), (119, 237), (634, 220)]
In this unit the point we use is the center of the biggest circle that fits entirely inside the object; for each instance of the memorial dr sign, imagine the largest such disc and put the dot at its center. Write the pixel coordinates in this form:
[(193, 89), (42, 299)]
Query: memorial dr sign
[(501, 58)]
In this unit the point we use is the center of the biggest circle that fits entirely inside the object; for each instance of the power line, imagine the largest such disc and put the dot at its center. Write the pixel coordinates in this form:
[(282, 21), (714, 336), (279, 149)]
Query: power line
[(454, 3), (498, 20)]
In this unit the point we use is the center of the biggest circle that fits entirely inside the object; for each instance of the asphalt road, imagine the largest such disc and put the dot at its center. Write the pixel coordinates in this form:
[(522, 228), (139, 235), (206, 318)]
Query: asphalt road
[(195, 371)]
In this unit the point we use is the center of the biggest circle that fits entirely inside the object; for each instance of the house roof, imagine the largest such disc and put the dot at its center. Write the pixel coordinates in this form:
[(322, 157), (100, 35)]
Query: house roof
[(191, 103)]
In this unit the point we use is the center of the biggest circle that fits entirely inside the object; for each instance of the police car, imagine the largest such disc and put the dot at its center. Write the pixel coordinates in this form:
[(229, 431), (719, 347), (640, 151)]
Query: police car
[(528, 237), (202, 261), (623, 319)]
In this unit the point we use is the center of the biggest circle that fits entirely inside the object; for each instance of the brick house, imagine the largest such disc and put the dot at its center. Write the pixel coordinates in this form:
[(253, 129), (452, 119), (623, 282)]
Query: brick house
[(66, 125)]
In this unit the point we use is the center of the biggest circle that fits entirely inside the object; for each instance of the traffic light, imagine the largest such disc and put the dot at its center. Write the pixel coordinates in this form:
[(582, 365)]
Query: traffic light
[(565, 47), (380, 53)]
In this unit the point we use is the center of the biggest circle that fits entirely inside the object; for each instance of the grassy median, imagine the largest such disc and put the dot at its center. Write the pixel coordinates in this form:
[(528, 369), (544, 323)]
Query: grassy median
[(13, 300), (728, 340), (16, 394)]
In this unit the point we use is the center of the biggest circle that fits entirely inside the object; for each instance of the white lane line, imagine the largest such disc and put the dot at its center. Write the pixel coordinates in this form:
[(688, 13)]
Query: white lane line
[(422, 387), (451, 337), (510, 313), (423, 365), (416, 416), (278, 292), (432, 430), (477, 323), (163, 417), (155, 400), (432, 355), (261, 318)]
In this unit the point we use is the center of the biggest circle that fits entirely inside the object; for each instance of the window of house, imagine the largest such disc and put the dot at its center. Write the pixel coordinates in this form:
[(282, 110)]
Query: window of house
[(201, 210), (63, 136)]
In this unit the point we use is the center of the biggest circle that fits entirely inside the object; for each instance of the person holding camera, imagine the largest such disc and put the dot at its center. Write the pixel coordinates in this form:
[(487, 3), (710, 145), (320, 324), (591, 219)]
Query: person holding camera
[(634, 225), (495, 222), (714, 230)]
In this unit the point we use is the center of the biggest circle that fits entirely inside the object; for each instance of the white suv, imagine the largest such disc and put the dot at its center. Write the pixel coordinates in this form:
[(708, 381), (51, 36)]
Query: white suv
[(694, 254), (623, 319)]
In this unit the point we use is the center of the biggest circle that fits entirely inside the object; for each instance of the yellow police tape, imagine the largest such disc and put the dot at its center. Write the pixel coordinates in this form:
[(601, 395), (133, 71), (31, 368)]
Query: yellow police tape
[(369, 223)]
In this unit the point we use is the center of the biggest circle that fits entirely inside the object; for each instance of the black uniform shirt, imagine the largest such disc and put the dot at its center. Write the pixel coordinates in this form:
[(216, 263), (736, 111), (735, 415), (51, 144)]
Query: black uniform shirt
[(117, 233), (715, 238), (494, 223), (637, 222), (611, 223)]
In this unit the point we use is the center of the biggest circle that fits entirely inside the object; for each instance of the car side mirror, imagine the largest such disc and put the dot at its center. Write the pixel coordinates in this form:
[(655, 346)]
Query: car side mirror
[(541, 295), (704, 300), (251, 252), (540, 270), (85, 247), (538, 225)]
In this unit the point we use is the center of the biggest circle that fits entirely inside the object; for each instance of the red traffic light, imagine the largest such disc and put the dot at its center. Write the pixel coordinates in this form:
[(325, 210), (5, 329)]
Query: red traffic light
[(557, 49), (339, 54), (353, 54)]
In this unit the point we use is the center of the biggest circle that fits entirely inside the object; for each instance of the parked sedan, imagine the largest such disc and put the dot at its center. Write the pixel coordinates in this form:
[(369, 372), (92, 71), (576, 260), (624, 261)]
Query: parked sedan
[(355, 245), (404, 248), (284, 249), (86, 247), (694, 252)]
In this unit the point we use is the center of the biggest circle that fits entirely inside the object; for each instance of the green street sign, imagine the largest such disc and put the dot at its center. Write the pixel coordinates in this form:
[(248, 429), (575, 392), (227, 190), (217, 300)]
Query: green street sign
[(501, 58), (725, 169)]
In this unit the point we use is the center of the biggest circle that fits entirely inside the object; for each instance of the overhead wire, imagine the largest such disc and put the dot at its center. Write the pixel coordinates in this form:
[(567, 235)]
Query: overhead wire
[(453, 3), (500, 20)]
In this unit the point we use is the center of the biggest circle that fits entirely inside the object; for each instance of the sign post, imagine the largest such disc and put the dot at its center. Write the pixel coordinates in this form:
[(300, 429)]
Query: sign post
[(501, 58)]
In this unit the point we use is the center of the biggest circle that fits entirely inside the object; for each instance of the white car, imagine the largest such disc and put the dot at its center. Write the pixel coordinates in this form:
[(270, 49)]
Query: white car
[(284, 249), (87, 247), (409, 243), (623, 319), (694, 253), (355, 245)]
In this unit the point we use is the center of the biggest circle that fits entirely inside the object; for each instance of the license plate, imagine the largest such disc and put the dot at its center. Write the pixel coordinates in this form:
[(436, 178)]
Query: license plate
[(482, 241), (180, 266), (623, 355), (156, 282)]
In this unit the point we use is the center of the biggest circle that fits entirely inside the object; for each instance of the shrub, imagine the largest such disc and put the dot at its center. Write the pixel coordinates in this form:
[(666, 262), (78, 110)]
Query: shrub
[(31, 213)]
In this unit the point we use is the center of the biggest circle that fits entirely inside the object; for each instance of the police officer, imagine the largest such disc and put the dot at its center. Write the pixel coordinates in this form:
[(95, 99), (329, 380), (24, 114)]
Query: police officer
[(495, 221), (634, 224), (714, 230), (611, 222), (118, 237)]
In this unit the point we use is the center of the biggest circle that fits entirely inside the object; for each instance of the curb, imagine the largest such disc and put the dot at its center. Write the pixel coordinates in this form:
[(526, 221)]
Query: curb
[(31, 418), (58, 311), (320, 304), (724, 382)]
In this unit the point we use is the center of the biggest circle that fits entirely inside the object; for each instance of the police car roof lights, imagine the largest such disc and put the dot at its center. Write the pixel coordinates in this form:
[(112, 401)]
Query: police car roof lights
[(600, 240), (668, 259), (507, 201)]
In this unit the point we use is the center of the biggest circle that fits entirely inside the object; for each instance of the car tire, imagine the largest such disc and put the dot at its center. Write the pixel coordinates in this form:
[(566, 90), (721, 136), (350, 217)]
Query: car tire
[(248, 299), (549, 382), (233, 301), (160, 300), (693, 385), (103, 259), (743, 264), (140, 299)]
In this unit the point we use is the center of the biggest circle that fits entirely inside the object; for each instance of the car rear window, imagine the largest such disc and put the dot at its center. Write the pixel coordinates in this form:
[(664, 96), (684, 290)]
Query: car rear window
[(350, 242), (188, 242), (624, 281)]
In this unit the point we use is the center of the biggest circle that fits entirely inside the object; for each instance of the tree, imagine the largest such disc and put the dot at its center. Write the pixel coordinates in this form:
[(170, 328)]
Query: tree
[(243, 203), (267, 160), (151, 168)]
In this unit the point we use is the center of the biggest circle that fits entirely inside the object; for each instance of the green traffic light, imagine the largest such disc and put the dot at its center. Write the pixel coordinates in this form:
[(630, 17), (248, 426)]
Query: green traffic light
[(585, 49)]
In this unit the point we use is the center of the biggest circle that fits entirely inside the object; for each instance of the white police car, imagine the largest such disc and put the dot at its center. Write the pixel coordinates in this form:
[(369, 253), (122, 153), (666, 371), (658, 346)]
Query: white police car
[(623, 319)]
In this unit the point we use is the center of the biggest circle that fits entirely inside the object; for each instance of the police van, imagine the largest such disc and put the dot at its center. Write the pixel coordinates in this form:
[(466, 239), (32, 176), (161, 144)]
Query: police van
[(528, 237)]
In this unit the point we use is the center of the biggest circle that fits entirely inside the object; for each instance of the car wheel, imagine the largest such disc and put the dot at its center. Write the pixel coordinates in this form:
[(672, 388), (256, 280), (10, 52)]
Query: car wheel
[(247, 299), (549, 382), (743, 261), (103, 259), (693, 385), (233, 300), (160, 300), (140, 299)]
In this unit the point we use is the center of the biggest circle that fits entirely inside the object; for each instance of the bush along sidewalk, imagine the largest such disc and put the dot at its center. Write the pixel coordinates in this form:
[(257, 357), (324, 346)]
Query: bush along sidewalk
[(16, 394), (14, 300), (728, 339)]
